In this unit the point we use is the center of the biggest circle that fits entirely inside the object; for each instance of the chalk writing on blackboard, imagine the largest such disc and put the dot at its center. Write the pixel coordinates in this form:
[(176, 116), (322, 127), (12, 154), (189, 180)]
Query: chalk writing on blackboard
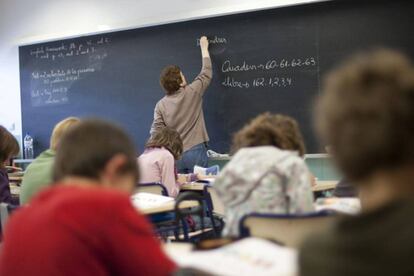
[(214, 40), (271, 64), (52, 86), (258, 82), (83, 57), (271, 73), (66, 50)]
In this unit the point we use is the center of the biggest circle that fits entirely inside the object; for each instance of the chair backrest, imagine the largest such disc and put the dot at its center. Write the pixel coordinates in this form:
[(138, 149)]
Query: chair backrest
[(214, 201), (182, 214), (288, 230), (152, 188), (5, 211)]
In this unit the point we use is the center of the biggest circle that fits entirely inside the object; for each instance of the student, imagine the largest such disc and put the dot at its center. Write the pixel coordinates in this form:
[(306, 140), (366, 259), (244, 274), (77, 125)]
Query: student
[(38, 174), (157, 163), (267, 173), (85, 224), (182, 109), (366, 113), (9, 147)]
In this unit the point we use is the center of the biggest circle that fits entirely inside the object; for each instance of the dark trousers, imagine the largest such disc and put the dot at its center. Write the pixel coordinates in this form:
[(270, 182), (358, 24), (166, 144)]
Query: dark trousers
[(197, 155)]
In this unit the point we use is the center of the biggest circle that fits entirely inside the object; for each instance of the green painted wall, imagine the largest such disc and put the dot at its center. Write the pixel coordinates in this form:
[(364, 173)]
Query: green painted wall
[(321, 167)]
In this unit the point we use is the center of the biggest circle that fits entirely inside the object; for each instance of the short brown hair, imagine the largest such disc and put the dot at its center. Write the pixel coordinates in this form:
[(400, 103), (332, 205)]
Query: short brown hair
[(270, 130), (366, 113), (171, 79), (60, 129), (169, 139), (87, 147), (9, 146)]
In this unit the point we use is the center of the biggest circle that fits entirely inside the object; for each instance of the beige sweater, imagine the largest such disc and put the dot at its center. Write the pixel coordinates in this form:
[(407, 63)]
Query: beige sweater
[(183, 111)]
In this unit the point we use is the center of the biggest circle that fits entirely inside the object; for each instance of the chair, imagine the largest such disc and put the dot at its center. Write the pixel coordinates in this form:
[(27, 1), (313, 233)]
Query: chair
[(182, 214), (288, 230), (213, 200), (215, 208), (152, 188), (5, 211)]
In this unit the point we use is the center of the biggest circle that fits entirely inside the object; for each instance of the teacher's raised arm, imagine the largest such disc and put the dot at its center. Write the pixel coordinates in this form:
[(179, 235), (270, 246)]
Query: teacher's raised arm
[(182, 110)]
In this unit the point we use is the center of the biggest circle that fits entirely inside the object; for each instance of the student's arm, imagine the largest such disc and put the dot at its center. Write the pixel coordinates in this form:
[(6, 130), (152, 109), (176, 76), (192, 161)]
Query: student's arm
[(135, 249), (167, 167), (299, 188), (201, 82), (158, 121)]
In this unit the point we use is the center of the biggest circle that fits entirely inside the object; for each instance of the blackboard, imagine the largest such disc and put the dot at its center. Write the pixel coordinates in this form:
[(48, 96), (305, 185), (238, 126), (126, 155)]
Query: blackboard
[(270, 60)]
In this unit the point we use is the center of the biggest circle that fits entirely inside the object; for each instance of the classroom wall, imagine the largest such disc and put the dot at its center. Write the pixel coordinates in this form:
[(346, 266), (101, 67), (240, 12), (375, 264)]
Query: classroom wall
[(27, 21)]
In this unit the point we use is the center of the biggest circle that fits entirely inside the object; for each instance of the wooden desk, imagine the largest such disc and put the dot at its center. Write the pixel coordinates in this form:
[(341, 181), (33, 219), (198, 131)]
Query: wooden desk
[(15, 190), (320, 186), (17, 179), (167, 207), (193, 186), (324, 185)]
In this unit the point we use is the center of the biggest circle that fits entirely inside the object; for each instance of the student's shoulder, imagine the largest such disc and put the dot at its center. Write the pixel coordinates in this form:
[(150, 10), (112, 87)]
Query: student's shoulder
[(104, 196), (44, 161), (166, 153), (157, 152), (96, 199), (264, 153)]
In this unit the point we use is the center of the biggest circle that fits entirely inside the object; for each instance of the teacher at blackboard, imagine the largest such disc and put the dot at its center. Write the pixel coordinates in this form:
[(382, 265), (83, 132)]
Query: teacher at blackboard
[(182, 109)]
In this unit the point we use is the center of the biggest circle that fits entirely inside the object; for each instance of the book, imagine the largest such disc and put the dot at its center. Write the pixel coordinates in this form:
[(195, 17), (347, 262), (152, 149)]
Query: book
[(346, 205), (213, 170), (250, 256), (147, 200)]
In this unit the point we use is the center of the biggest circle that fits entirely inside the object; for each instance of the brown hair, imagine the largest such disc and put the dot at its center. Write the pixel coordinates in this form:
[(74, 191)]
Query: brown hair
[(60, 129), (169, 139), (366, 113), (171, 79), (87, 147), (270, 130), (9, 146)]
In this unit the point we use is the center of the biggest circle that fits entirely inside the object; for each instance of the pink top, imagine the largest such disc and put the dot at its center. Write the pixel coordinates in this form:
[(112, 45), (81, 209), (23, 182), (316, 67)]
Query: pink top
[(158, 165)]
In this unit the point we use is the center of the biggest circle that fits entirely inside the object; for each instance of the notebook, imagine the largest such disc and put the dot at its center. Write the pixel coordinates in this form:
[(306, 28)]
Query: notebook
[(147, 200), (250, 256)]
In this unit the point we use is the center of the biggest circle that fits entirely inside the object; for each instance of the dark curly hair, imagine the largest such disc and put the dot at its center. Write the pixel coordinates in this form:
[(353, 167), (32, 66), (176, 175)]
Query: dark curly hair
[(171, 79), (270, 130), (366, 113)]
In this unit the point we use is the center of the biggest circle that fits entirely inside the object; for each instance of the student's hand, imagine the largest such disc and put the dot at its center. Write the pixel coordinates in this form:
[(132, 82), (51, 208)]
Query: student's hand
[(204, 42), (182, 178)]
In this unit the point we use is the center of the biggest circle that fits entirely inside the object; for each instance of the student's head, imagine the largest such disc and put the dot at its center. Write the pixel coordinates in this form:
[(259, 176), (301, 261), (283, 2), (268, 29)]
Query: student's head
[(169, 139), (171, 79), (270, 130), (366, 114), (97, 151), (9, 147), (60, 129)]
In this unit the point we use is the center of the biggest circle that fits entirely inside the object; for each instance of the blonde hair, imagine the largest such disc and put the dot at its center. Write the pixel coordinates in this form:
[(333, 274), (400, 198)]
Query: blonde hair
[(60, 129)]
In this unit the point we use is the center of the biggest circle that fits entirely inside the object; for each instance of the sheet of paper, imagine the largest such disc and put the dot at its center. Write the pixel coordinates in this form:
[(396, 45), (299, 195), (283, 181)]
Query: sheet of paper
[(147, 200), (343, 205), (251, 256), (210, 179)]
